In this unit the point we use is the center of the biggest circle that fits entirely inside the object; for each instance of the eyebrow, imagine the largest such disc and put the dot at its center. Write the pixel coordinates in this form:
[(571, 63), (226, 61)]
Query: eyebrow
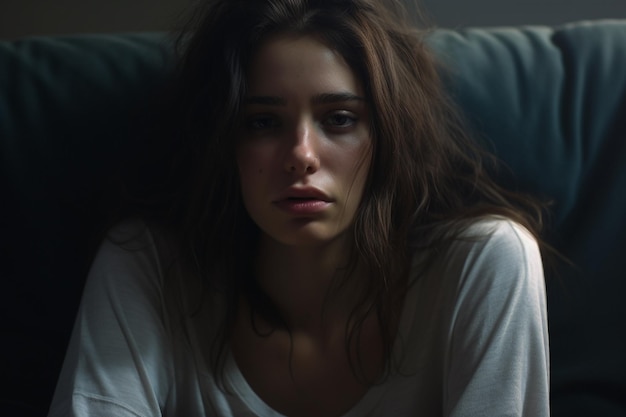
[(323, 98), (327, 98)]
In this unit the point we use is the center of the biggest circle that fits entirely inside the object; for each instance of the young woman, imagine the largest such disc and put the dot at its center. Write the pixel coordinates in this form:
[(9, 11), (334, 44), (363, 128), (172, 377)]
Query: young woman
[(330, 245)]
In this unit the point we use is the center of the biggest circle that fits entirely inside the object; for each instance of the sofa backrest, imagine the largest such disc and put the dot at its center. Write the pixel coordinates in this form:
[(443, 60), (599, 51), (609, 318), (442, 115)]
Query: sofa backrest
[(69, 108), (550, 102)]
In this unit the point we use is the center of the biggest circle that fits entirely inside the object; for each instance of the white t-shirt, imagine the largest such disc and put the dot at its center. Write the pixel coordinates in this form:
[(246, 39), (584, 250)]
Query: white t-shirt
[(472, 340)]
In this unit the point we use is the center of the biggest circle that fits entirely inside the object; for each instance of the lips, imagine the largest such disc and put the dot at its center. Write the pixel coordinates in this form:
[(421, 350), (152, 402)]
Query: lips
[(303, 193), (303, 201)]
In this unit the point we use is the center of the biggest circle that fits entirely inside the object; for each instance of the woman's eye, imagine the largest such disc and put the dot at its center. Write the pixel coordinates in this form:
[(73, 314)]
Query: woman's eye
[(261, 123), (340, 120)]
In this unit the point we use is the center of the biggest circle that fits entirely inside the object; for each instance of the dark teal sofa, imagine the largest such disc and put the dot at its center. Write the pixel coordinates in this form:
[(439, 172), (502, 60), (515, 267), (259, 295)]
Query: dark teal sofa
[(550, 102)]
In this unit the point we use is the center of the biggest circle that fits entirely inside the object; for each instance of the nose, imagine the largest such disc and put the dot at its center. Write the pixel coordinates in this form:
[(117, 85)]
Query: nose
[(302, 157)]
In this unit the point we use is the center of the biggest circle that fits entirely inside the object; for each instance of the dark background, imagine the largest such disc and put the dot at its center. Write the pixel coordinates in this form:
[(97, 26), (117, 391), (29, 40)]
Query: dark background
[(20, 18)]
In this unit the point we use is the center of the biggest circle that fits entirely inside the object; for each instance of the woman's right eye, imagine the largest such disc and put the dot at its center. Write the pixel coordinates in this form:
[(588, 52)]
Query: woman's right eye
[(261, 123)]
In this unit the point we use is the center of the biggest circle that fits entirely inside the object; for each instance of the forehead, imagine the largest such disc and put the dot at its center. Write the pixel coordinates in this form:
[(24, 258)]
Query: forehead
[(288, 60)]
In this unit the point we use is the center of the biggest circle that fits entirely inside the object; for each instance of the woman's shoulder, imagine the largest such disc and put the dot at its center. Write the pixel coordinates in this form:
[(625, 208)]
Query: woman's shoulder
[(494, 255), (135, 235), (131, 251), (140, 258), (483, 302), (490, 250), (496, 235), (498, 227), (133, 232)]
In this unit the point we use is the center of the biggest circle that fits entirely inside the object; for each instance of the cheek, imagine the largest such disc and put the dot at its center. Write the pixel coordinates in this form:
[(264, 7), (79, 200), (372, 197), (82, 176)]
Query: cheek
[(251, 170), (251, 167), (250, 156), (256, 157)]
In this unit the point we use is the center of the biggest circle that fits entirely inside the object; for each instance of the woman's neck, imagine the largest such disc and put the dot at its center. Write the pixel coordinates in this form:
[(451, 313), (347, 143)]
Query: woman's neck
[(302, 282)]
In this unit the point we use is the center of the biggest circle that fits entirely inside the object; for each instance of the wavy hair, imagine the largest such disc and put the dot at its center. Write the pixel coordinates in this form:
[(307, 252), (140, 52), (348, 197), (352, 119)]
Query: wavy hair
[(427, 179)]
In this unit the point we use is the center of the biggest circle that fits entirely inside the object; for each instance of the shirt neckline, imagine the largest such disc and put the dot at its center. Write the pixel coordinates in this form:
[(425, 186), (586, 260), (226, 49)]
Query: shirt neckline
[(238, 383)]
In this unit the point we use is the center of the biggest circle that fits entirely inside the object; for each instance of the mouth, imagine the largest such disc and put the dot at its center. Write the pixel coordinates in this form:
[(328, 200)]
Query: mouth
[(303, 201), (302, 206), (304, 194)]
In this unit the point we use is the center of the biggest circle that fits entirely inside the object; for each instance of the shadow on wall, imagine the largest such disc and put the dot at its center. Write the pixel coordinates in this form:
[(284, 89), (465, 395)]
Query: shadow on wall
[(463, 13), (37, 17)]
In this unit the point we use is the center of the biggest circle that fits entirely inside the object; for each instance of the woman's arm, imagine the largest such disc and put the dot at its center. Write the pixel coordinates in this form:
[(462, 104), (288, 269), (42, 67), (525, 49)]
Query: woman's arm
[(117, 362), (497, 358)]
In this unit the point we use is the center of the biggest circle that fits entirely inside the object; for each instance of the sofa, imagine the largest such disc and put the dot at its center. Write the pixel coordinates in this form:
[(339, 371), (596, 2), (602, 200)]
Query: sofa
[(550, 102)]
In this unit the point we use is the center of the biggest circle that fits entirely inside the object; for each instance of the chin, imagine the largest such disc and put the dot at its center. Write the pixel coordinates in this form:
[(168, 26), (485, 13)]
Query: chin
[(308, 236)]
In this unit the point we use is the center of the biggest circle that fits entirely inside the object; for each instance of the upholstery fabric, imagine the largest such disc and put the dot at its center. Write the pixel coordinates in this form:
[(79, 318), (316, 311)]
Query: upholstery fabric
[(550, 102), (68, 109)]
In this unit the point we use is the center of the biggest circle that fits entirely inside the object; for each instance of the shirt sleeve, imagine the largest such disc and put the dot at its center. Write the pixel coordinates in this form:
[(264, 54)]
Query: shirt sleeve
[(117, 362), (497, 356)]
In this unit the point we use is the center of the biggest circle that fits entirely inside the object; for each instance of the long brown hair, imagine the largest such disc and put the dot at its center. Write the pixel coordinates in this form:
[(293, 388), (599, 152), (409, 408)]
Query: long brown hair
[(427, 179)]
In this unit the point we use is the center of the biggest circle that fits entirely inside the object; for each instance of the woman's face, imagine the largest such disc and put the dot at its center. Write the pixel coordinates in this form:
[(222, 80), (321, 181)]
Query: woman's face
[(304, 149)]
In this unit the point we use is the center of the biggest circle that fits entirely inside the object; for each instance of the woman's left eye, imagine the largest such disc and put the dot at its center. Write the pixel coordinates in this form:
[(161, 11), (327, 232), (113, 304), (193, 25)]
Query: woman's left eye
[(340, 120)]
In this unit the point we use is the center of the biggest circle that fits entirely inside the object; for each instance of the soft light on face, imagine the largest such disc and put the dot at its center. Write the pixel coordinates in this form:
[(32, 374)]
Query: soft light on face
[(305, 147)]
